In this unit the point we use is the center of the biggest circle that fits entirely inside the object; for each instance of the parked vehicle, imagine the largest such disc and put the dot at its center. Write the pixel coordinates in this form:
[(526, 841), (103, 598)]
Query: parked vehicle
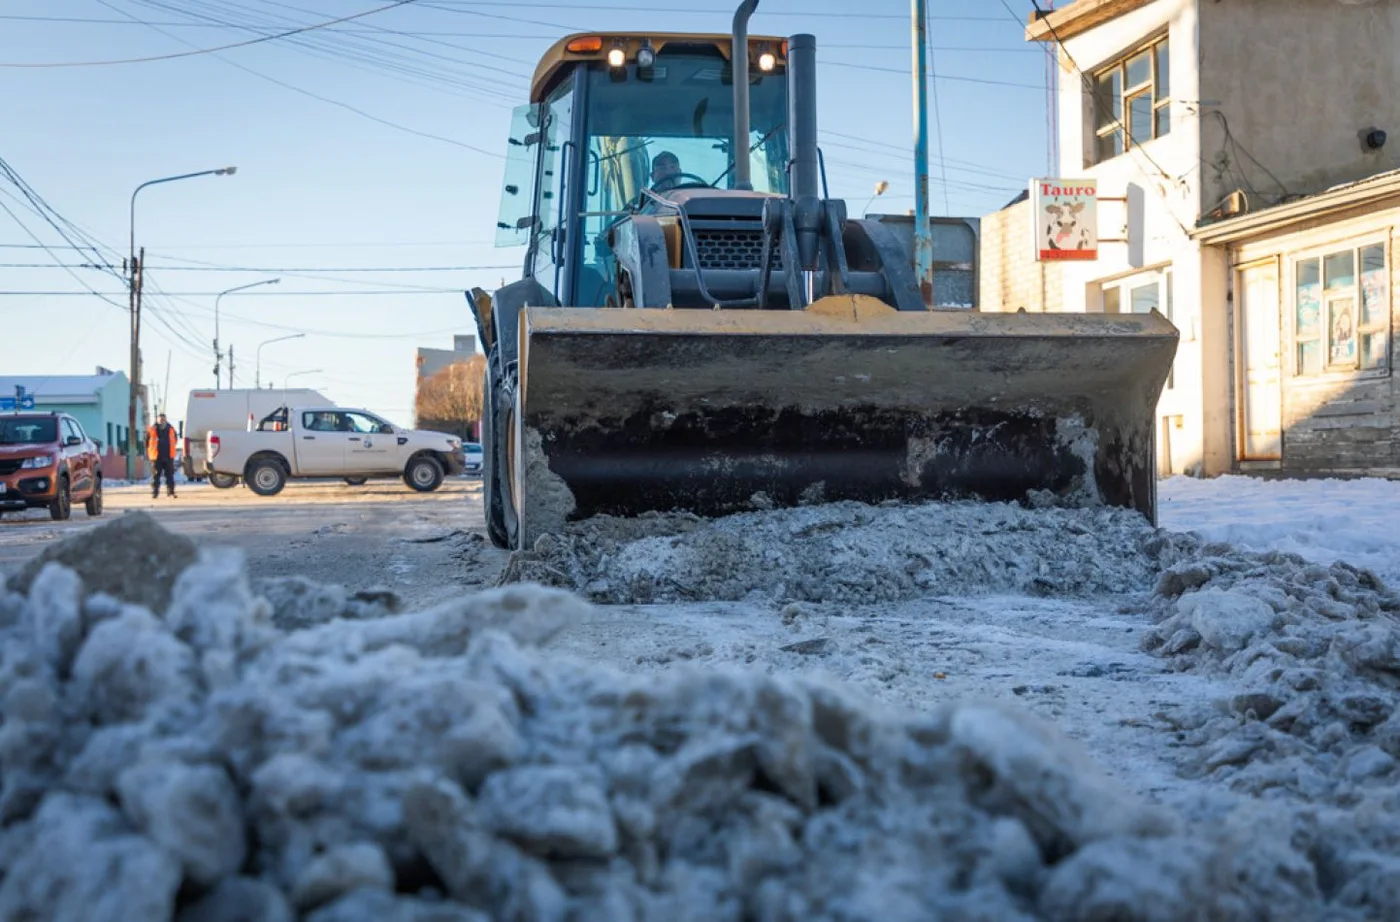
[(328, 441), (472, 453), (48, 461), (232, 409)]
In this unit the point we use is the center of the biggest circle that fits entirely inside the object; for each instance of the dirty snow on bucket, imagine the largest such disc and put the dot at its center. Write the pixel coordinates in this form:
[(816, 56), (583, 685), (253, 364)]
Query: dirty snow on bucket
[(212, 751), (848, 552)]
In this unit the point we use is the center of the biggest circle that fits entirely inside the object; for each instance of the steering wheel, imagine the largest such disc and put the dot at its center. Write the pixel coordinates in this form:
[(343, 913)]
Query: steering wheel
[(667, 183)]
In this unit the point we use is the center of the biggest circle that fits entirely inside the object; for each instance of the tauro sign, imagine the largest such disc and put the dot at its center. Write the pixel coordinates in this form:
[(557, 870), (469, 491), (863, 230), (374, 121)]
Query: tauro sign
[(1064, 218)]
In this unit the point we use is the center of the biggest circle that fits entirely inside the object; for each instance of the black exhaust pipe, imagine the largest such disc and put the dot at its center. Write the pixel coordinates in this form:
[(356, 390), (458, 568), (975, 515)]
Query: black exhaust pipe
[(805, 173), (740, 59)]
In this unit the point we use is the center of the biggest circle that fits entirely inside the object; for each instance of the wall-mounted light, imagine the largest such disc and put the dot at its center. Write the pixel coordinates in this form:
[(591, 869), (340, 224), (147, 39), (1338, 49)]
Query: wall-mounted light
[(617, 55)]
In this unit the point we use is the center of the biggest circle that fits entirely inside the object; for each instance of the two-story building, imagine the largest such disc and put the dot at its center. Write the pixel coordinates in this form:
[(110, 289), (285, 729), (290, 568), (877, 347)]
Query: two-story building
[(1245, 184)]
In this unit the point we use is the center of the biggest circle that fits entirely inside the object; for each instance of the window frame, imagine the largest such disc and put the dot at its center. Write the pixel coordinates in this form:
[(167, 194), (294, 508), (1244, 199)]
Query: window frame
[(1123, 288), (1121, 123), (1329, 371)]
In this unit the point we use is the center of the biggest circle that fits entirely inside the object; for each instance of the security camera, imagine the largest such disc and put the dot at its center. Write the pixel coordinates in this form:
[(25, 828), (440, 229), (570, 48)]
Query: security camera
[(1375, 139)]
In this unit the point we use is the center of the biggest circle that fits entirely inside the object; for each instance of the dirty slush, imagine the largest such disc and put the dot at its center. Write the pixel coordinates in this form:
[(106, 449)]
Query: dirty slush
[(182, 742)]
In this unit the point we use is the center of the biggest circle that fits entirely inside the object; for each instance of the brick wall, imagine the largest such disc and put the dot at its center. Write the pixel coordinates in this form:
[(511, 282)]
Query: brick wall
[(1011, 277)]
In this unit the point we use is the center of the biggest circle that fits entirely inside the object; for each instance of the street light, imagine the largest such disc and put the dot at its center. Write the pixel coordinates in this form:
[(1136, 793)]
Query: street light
[(880, 188), (134, 306), (308, 371), (217, 356), (258, 374)]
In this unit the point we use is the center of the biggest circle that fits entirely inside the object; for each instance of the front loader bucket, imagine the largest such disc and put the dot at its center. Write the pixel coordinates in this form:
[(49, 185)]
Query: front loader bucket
[(627, 410)]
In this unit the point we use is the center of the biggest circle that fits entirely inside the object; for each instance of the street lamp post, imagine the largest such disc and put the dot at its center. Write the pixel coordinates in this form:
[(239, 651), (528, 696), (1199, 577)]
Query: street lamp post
[(134, 268), (217, 355), (257, 375)]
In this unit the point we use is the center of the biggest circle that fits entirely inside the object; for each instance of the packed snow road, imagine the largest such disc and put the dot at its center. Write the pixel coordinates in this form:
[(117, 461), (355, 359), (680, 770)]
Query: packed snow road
[(296, 750), (379, 535)]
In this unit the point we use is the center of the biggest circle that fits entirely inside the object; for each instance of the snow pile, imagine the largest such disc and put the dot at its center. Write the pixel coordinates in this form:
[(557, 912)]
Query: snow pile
[(1315, 650), (196, 762), (849, 553)]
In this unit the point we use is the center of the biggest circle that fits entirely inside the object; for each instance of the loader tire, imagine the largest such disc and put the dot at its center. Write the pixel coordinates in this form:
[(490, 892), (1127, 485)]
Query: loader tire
[(494, 464)]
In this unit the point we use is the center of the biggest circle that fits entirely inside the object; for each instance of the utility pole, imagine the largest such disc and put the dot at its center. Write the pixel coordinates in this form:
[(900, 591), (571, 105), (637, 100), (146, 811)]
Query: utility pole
[(165, 389), (134, 266), (923, 232), (230, 364)]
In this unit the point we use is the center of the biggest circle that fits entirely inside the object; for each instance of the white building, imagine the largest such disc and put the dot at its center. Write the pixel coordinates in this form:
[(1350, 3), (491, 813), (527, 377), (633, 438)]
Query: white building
[(1198, 118)]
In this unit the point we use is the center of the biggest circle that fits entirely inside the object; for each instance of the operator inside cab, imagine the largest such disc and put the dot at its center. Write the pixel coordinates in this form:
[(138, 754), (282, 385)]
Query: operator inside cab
[(664, 171)]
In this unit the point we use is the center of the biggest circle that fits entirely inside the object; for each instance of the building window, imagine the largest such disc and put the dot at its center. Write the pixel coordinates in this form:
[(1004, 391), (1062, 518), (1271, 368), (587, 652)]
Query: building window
[(1341, 311), (1141, 294), (1131, 101)]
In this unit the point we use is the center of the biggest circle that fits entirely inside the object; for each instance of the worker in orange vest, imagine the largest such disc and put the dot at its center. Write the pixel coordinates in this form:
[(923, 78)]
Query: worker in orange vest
[(160, 451)]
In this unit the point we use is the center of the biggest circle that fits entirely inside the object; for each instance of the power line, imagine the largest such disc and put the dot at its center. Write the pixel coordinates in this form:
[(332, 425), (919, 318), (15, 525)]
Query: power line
[(243, 44), (414, 33), (271, 269), (151, 251), (497, 155), (246, 294), (366, 54), (451, 6), (938, 126), (905, 73)]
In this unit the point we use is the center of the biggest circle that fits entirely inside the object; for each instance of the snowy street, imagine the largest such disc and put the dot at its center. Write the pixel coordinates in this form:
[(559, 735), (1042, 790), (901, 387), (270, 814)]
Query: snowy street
[(1249, 693)]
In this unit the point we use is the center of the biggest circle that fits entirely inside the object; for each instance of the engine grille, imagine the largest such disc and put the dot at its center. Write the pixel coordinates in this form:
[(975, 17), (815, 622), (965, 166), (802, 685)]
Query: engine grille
[(9, 467), (733, 249)]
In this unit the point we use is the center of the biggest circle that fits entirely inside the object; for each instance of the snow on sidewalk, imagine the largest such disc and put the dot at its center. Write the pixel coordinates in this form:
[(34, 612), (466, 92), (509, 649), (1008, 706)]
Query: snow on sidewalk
[(1324, 520)]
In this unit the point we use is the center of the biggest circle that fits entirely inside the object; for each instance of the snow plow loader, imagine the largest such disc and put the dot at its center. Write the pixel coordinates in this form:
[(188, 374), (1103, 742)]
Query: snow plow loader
[(700, 331)]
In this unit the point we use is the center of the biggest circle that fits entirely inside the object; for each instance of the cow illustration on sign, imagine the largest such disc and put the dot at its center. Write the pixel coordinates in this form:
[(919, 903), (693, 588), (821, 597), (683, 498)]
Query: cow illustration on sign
[(1066, 220), (1064, 232)]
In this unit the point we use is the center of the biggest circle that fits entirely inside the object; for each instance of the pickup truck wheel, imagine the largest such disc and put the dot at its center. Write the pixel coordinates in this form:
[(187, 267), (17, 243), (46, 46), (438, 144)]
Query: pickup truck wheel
[(223, 481), (357, 481), (266, 477), (423, 473)]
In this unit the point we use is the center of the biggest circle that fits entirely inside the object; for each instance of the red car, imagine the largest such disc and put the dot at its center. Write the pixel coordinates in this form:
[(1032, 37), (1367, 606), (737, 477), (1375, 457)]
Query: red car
[(47, 460)]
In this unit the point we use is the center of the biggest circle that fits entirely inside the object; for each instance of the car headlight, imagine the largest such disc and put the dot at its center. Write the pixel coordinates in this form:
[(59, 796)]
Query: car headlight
[(37, 461)]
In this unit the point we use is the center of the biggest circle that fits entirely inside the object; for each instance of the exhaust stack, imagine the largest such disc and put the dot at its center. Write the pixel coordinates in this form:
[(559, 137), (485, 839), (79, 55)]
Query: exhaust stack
[(740, 55)]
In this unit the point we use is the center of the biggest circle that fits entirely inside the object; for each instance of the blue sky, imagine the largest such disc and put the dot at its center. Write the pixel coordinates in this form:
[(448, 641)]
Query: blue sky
[(324, 185)]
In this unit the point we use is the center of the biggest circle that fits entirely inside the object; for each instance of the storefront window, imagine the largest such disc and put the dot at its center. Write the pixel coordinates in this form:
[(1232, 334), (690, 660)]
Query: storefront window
[(1341, 315)]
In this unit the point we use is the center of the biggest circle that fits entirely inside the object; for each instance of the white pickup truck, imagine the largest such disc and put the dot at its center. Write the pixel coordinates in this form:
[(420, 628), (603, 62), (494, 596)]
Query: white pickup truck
[(332, 442)]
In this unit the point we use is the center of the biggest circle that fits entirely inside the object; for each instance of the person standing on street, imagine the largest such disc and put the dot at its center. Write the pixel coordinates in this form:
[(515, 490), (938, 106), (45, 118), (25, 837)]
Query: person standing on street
[(160, 450)]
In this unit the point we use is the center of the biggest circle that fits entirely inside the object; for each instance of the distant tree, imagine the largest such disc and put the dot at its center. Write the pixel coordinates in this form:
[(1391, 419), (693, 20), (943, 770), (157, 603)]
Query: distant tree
[(451, 400)]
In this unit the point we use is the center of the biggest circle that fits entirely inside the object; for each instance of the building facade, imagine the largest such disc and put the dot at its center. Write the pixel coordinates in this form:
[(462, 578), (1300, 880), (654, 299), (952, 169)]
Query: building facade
[(431, 361), (97, 401), (1191, 114)]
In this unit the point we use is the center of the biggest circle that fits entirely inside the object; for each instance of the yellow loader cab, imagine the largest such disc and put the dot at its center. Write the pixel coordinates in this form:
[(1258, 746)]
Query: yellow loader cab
[(695, 330)]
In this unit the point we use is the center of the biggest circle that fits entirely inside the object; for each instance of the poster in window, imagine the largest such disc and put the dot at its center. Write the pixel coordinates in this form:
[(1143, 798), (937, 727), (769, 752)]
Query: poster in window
[(1065, 216), (1342, 340), (1309, 303), (1374, 305)]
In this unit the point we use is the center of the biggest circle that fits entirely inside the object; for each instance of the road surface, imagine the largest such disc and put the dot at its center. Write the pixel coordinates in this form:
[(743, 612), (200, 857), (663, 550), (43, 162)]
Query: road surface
[(423, 546)]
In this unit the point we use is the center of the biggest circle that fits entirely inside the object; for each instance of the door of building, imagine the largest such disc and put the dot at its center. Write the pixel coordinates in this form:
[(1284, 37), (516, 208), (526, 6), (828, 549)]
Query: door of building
[(1261, 400)]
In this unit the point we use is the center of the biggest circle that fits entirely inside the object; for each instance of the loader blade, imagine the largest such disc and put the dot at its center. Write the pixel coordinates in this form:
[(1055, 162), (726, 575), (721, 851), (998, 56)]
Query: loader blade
[(628, 410)]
